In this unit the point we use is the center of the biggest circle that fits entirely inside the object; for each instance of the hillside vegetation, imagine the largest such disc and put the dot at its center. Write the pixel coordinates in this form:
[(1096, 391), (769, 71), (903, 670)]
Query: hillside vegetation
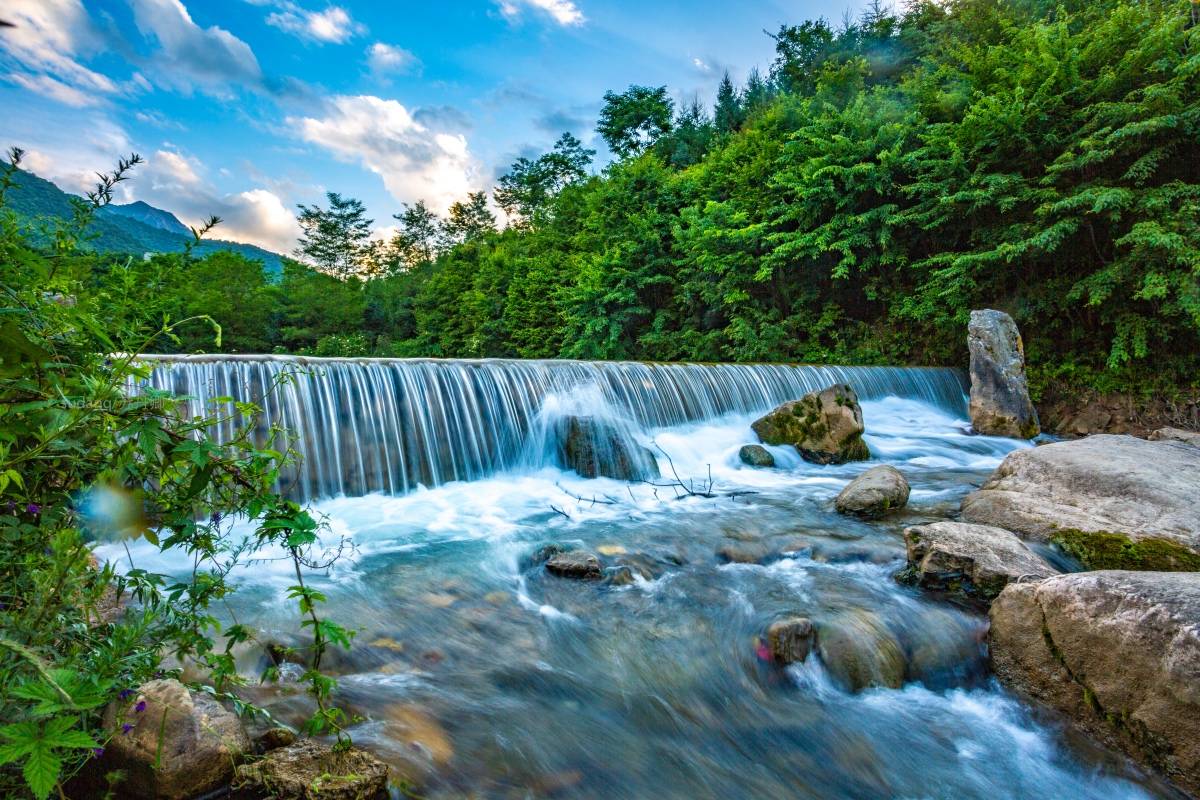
[(886, 176), (135, 228)]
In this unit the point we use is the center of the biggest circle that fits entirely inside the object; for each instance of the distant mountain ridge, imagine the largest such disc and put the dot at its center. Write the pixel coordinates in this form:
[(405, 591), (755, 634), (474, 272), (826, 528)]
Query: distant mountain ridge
[(147, 214), (135, 228)]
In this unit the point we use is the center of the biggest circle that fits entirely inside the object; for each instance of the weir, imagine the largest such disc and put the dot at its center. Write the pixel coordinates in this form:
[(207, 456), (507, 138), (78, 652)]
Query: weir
[(391, 425)]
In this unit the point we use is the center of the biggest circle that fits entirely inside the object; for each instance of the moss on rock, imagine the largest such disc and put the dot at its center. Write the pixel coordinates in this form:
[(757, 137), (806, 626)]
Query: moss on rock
[(1106, 550)]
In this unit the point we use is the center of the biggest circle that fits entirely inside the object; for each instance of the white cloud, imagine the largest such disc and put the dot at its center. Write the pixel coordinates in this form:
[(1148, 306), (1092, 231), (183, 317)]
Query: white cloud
[(190, 56), (334, 24), (44, 47), (174, 181), (415, 162), (564, 12), (702, 65), (387, 58)]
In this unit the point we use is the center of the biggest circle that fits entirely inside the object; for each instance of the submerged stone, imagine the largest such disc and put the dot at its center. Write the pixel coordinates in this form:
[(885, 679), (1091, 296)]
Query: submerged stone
[(860, 651), (576, 564), (596, 448), (825, 427), (755, 455)]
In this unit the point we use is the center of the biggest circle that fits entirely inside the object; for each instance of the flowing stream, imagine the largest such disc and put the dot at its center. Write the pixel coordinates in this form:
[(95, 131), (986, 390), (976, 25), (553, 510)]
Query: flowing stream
[(480, 675)]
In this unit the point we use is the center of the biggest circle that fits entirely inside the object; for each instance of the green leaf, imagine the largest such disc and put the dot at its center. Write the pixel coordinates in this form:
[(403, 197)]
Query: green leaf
[(41, 770)]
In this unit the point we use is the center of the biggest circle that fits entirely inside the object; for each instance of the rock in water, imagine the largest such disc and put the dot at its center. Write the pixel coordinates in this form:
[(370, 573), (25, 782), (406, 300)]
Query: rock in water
[(756, 455), (595, 448), (576, 564), (878, 491), (860, 651), (791, 640), (1118, 652), (182, 744), (1000, 404), (1112, 502), (311, 770), (826, 427), (976, 561)]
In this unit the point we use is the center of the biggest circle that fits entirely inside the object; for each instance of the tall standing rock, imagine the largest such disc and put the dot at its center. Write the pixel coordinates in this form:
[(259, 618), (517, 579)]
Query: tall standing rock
[(597, 448), (1000, 404), (825, 427)]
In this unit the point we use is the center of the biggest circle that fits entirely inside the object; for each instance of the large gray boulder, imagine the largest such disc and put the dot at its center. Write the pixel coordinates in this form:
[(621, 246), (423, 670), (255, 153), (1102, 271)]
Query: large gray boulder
[(826, 427), (875, 493), (575, 564), (1117, 652), (596, 448), (172, 743), (1112, 502), (1000, 404), (974, 561)]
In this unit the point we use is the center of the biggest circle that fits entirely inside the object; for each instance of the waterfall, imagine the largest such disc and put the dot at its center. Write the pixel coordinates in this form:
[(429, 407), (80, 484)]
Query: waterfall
[(390, 425)]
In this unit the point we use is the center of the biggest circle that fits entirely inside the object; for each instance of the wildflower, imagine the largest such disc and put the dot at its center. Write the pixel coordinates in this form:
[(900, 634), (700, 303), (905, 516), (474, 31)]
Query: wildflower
[(140, 707), (126, 727), (216, 517), (124, 694), (99, 751), (33, 508)]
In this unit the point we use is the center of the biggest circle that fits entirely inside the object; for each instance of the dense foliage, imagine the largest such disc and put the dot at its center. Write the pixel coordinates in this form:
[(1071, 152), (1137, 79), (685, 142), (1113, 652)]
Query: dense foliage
[(83, 461), (854, 205)]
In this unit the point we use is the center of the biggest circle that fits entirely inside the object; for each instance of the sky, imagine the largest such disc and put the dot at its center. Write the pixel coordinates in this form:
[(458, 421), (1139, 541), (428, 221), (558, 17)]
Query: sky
[(246, 108)]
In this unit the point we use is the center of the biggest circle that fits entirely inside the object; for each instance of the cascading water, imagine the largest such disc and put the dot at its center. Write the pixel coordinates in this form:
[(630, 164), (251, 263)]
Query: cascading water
[(477, 673), (390, 425)]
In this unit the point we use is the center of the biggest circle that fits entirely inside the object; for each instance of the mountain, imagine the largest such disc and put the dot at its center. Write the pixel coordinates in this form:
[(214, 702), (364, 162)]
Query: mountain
[(136, 228), (147, 214)]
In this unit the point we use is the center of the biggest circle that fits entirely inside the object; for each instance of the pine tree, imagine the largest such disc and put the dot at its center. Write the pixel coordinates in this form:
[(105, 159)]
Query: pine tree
[(727, 113)]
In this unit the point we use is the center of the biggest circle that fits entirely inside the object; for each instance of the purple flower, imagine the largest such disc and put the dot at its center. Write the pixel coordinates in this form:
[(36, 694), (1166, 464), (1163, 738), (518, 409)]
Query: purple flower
[(125, 693), (126, 727), (99, 751), (140, 707), (216, 517), (33, 508)]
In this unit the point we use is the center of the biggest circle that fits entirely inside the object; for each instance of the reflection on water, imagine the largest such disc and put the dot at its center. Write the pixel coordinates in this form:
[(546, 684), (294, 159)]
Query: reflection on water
[(481, 675)]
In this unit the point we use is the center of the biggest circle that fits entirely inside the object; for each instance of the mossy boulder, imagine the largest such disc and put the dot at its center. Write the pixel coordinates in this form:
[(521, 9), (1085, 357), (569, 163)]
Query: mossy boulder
[(1117, 652), (825, 427), (1112, 502), (755, 455), (311, 770)]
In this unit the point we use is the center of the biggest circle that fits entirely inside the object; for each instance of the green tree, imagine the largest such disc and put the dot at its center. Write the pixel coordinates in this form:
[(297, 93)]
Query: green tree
[(634, 119), (526, 190), (469, 220), (334, 239), (727, 113)]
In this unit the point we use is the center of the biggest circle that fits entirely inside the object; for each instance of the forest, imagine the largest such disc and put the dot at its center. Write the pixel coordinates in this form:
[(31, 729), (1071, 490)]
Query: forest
[(888, 175)]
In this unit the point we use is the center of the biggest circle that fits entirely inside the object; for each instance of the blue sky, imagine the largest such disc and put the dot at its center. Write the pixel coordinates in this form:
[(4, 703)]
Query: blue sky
[(244, 108)]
